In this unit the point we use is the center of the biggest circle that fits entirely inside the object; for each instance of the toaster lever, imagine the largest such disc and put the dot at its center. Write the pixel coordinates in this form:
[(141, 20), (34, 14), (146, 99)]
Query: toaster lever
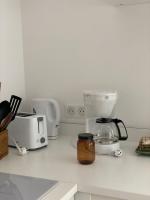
[(34, 111), (39, 119)]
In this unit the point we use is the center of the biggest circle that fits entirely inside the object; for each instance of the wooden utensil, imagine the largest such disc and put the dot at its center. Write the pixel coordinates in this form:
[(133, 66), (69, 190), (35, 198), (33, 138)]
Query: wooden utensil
[(3, 144), (5, 122)]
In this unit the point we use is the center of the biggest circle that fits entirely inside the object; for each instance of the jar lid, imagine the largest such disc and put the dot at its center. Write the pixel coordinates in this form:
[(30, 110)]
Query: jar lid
[(85, 136)]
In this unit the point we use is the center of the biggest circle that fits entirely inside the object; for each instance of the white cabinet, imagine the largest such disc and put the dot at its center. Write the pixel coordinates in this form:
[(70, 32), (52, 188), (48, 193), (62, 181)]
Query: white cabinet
[(88, 196)]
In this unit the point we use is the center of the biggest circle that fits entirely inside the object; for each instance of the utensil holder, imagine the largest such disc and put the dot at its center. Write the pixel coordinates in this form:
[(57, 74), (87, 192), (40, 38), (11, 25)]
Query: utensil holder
[(3, 143)]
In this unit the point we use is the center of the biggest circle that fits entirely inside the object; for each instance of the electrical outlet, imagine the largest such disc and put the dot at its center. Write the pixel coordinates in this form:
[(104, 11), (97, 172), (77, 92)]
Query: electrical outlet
[(81, 111), (74, 113), (70, 110)]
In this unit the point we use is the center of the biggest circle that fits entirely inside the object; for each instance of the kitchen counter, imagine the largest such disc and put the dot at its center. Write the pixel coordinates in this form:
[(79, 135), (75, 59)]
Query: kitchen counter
[(125, 177)]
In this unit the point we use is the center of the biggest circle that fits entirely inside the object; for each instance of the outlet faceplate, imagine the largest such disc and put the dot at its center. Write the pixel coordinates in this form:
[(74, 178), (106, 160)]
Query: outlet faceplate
[(74, 111), (70, 110), (81, 111)]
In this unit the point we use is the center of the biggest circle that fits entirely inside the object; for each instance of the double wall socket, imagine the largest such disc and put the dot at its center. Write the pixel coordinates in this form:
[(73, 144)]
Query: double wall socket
[(74, 111)]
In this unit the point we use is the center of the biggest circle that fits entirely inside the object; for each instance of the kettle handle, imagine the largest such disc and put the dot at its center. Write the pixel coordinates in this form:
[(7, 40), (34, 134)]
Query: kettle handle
[(117, 121), (48, 107), (55, 105)]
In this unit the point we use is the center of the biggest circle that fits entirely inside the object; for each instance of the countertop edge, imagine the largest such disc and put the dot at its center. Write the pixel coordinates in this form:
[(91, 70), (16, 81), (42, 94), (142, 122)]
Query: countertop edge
[(62, 191), (112, 193)]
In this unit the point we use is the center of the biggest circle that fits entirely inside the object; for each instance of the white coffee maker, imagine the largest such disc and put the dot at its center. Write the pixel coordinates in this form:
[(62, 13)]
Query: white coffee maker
[(101, 121), (98, 105)]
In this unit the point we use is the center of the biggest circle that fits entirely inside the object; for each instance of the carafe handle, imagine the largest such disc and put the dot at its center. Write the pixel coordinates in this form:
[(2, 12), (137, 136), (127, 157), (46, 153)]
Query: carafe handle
[(117, 121)]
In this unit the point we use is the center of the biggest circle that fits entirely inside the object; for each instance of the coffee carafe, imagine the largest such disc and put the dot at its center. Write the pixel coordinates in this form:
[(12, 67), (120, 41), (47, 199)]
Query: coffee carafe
[(109, 130), (108, 135)]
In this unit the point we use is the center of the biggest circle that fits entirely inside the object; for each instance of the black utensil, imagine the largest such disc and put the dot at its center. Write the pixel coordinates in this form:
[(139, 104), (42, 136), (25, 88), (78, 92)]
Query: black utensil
[(14, 104), (5, 122), (4, 109)]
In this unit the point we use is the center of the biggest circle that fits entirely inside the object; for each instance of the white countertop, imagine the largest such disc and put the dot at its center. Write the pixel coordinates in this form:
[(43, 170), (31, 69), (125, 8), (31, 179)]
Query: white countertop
[(125, 177)]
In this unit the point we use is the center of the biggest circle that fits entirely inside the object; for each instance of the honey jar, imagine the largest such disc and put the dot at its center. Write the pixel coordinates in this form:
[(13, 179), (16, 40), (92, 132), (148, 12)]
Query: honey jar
[(85, 148)]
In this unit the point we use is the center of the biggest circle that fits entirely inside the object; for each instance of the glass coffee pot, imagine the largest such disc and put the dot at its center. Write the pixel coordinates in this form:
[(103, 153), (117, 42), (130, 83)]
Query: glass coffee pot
[(107, 136), (109, 131)]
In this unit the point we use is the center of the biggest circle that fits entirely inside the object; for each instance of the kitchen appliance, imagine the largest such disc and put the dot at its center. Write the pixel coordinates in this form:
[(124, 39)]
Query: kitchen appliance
[(98, 105), (108, 135), (101, 121), (28, 130), (49, 108)]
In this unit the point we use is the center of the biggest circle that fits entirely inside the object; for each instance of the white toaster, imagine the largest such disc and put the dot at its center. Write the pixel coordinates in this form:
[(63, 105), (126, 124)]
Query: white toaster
[(28, 130)]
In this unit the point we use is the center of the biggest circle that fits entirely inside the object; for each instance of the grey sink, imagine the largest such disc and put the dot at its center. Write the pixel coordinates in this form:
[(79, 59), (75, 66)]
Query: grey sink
[(16, 187)]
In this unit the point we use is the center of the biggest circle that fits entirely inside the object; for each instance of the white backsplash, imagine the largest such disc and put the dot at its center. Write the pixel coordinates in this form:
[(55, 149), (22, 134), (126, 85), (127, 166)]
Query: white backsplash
[(72, 46)]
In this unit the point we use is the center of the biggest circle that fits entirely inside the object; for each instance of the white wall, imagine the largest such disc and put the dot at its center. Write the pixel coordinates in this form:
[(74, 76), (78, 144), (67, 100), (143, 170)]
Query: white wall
[(11, 49), (74, 45)]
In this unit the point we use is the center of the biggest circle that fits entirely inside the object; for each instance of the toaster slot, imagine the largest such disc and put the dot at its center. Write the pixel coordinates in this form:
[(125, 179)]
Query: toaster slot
[(40, 124)]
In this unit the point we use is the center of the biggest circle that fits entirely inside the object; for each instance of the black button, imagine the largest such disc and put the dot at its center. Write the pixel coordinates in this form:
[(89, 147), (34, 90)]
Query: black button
[(42, 140)]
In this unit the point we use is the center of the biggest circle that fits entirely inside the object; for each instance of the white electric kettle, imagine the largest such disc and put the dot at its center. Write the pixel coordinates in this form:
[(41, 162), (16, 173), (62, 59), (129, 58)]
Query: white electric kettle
[(49, 108)]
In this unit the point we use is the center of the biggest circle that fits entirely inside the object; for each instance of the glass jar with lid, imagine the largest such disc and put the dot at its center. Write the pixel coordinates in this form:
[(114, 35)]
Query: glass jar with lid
[(85, 148)]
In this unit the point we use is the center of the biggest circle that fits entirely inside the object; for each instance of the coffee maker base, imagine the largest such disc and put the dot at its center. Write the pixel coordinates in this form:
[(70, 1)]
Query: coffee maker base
[(106, 149)]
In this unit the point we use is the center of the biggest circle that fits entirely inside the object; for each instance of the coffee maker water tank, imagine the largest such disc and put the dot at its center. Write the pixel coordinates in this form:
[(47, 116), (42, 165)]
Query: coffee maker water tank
[(49, 108), (99, 104)]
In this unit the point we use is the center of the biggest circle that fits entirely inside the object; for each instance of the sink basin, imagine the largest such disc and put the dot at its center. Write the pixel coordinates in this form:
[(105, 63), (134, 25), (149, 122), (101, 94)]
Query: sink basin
[(16, 187)]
